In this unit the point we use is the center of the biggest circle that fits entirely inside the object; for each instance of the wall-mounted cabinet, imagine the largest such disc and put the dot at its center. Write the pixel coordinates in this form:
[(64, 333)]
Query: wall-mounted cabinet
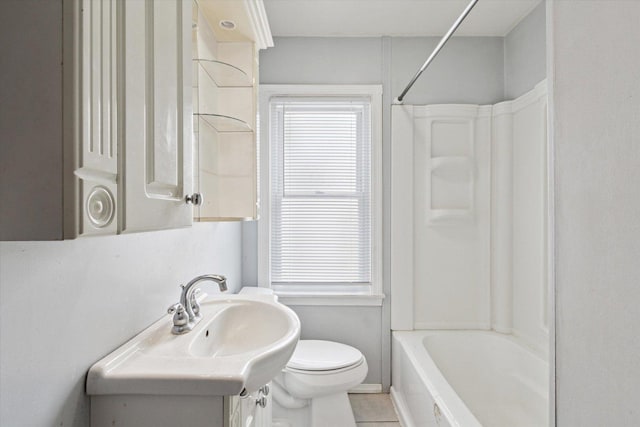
[(157, 129), (225, 70), (118, 154), (99, 135)]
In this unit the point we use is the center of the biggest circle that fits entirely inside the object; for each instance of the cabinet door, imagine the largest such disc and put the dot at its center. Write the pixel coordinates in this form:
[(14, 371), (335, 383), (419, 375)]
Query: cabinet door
[(97, 158), (157, 128), (264, 415)]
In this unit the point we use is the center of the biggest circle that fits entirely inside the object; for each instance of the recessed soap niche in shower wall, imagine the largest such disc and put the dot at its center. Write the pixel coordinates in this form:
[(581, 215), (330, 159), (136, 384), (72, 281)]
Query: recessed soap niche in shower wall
[(449, 138), (450, 147)]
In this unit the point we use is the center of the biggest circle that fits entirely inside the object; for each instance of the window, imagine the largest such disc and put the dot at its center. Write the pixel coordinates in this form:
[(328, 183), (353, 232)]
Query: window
[(320, 217)]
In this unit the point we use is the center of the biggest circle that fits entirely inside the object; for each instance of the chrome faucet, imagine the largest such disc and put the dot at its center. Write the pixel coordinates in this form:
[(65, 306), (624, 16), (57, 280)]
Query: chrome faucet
[(186, 313)]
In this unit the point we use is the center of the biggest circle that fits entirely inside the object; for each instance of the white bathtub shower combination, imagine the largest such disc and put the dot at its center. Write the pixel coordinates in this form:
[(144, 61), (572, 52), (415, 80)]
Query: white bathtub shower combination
[(469, 248), (468, 379)]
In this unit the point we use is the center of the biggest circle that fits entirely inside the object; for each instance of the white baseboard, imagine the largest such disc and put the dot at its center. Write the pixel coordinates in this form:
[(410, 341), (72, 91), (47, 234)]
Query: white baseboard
[(401, 409), (366, 388)]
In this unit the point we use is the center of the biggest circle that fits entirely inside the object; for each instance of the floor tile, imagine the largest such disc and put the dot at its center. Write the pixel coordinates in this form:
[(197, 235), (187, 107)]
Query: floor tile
[(372, 408)]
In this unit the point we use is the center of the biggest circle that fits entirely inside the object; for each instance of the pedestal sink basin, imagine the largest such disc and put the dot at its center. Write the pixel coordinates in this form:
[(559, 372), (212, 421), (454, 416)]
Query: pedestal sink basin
[(242, 342)]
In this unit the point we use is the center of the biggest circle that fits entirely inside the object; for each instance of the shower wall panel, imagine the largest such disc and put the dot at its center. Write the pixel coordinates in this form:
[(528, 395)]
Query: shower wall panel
[(449, 200), (469, 217)]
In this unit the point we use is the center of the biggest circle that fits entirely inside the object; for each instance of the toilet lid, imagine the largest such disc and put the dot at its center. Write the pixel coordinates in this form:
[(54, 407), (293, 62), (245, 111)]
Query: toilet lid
[(314, 355)]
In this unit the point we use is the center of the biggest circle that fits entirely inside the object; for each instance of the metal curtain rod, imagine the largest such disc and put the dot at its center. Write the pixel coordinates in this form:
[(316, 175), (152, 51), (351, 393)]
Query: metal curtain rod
[(444, 40)]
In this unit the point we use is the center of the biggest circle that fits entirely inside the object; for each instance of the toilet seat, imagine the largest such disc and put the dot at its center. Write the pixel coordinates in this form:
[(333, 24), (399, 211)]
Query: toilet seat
[(319, 368), (326, 372), (322, 356)]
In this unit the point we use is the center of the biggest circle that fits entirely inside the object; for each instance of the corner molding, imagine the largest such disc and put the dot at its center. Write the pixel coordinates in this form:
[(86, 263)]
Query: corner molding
[(258, 17), (524, 100)]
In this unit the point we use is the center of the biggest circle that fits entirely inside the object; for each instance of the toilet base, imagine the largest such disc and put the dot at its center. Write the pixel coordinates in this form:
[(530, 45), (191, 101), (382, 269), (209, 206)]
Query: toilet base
[(325, 411)]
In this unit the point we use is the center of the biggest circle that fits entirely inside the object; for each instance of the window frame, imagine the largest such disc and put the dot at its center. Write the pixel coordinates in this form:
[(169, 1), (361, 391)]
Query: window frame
[(329, 294)]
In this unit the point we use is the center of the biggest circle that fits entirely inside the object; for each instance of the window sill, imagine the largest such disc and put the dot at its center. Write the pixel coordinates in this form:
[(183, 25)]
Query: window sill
[(368, 300)]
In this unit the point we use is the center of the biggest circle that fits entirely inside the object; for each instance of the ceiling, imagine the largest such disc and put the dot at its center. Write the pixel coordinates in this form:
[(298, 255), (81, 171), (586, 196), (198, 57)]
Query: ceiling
[(360, 18)]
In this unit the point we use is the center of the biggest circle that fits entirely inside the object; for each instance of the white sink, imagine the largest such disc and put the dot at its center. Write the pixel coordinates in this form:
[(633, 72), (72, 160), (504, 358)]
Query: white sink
[(242, 341)]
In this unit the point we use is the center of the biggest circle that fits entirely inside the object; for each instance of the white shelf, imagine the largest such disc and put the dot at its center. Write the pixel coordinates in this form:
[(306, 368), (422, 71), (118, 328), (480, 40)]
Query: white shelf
[(224, 74), (444, 161), (223, 123), (452, 168), (449, 215), (225, 87)]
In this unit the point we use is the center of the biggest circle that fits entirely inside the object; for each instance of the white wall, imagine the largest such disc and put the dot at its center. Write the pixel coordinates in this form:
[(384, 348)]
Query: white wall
[(594, 66), (64, 305)]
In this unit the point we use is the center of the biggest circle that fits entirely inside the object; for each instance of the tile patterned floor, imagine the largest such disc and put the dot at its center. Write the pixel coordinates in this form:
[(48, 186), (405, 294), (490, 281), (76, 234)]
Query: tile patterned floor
[(373, 410)]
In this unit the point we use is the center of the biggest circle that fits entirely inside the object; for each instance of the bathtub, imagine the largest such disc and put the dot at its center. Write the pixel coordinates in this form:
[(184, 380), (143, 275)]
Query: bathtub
[(467, 379)]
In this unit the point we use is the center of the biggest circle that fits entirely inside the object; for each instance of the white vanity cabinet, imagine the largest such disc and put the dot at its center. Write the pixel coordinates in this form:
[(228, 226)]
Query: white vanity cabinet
[(97, 133), (253, 410)]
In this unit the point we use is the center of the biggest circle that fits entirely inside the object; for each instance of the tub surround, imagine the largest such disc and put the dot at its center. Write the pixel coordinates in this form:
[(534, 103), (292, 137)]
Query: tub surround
[(468, 217), (469, 252)]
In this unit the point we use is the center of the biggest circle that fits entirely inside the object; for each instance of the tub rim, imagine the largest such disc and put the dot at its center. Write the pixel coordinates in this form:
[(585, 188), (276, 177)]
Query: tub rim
[(443, 394)]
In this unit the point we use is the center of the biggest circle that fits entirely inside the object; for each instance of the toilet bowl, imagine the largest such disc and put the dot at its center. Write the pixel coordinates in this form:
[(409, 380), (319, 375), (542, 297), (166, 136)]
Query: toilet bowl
[(311, 391)]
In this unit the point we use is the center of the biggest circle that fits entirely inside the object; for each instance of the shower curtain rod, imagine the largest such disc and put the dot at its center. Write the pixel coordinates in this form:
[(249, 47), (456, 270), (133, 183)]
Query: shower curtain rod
[(442, 42)]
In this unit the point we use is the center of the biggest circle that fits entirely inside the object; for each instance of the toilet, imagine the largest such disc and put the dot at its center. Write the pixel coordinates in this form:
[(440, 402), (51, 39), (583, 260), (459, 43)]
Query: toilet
[(311, 391)]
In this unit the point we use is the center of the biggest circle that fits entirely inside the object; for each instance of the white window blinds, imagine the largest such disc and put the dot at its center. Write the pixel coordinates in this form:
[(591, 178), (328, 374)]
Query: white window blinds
[(321, 214)]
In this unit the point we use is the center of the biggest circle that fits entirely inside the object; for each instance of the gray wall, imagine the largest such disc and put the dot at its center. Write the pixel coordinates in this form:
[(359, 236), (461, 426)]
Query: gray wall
[(525, 54), (329, 61), (471, 71), (64, 305), (311, 60), (360, 327), (31, 112), (596, 137)]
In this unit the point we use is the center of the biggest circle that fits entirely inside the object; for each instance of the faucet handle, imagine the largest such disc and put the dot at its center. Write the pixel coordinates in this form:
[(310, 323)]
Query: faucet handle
[(195, 306), (180, 318), (174, 308), (195, 293)]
